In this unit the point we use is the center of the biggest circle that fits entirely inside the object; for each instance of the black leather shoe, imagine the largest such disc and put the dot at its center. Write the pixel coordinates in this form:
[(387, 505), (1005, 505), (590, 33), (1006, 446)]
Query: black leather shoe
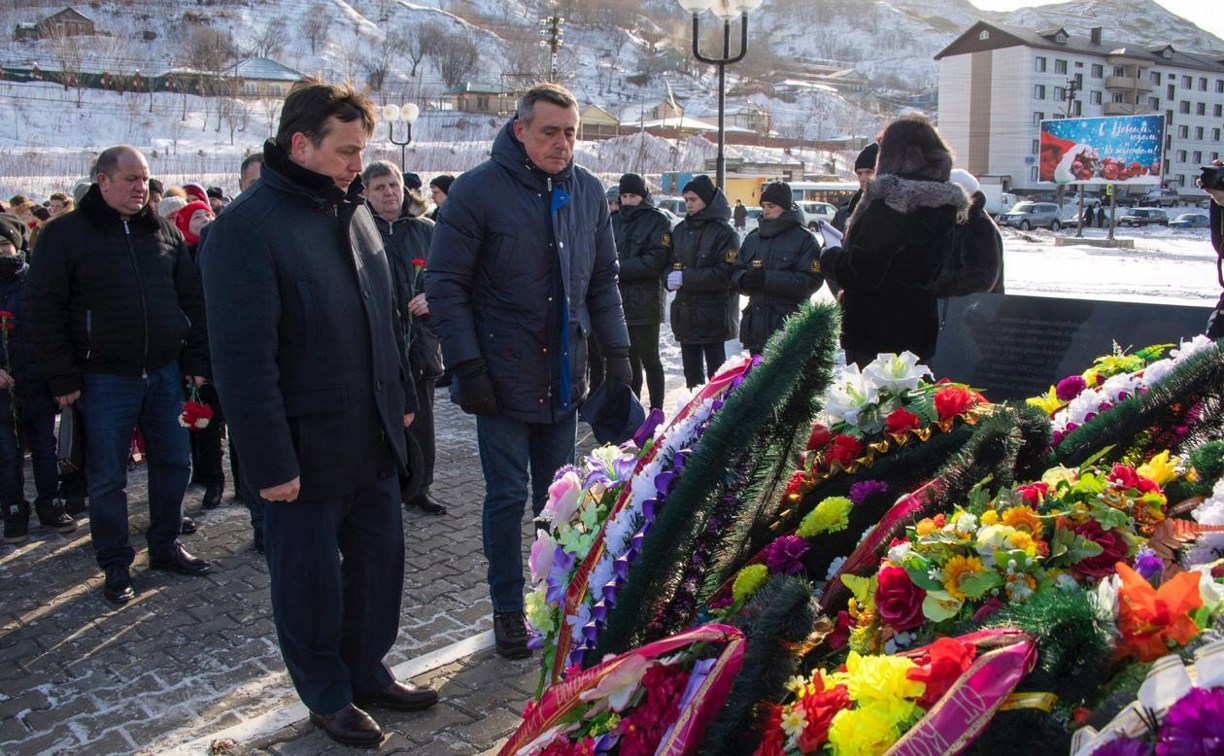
[(350, 726), (427, 504), (211, 498), (51, 515), (117, 587), (401, 697), (181, 562), (188, 526), (510, 633), (74, 505)]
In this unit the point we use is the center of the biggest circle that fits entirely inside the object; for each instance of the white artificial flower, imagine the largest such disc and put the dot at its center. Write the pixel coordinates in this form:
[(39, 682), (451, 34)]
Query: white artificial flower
[(1156, 372), (899, 553), (1193, 346), (850, 394), (834, 566), (896, 372)]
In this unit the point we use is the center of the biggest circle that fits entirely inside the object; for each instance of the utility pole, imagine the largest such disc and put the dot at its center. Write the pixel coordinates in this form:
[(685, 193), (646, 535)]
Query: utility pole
[(550, 29), (1070, 92)]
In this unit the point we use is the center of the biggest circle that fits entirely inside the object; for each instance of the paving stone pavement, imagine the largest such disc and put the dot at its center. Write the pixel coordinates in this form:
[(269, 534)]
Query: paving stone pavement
[(191, 658)]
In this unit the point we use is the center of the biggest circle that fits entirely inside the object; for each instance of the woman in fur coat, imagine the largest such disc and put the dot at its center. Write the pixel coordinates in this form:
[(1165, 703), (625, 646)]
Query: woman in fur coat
[(895, 244)]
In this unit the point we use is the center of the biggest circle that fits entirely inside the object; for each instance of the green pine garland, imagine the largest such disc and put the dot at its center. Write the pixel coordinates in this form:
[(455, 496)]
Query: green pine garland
[(777, 397)]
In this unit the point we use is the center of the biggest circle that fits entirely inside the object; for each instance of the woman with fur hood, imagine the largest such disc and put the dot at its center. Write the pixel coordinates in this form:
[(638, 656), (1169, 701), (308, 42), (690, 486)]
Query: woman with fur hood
[(896, 241)]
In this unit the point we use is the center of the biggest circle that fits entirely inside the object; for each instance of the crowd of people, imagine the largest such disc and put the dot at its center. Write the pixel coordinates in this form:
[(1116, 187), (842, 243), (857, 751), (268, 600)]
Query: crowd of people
[(315, 314)]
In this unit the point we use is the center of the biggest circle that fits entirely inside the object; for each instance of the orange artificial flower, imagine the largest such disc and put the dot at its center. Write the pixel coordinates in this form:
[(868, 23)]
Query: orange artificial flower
[(1149, 618)]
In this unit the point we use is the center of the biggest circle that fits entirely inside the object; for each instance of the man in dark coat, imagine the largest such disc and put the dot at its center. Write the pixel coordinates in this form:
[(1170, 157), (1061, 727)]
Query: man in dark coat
[(895, 242), (740, 216), (864, 171), (406, 239), (1215, 326), (522, 271), (643, 247), (312, 369), (118, 318), (705, 312), (778, 267)]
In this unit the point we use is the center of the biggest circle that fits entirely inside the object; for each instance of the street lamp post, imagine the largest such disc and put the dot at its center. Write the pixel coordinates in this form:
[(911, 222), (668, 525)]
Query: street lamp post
[(408, 114), (725, 10)]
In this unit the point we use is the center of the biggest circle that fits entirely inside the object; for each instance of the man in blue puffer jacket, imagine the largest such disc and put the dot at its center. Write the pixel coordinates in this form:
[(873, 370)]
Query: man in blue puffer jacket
[(522, 271)]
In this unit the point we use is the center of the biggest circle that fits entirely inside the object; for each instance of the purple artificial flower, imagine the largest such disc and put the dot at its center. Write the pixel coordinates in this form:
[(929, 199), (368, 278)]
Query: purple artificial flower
[(1147, 563), (782, 557), (1124, 747), (865, 489), (1194, 725), (663, 481), (647, 429), (1070, 387)]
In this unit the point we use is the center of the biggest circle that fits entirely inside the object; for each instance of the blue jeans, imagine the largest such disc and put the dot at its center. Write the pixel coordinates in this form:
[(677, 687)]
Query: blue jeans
[(508, 448), (38, 436), (111, 407), (336, 570)]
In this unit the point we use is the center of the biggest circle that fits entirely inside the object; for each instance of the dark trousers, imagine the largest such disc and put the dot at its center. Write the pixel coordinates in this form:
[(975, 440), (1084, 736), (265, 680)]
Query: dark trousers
[(206, 443), (644, 358), (422, 430), (111, 406), (36, 434), (250, 496), (337, 574), (691, 356), (510, 452), (1215, 324)]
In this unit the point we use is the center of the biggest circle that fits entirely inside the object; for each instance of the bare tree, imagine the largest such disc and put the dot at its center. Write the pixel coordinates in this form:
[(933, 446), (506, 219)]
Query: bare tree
[(315, 24), (271, 40), (69, 54), (456, 56), (271, 109), (418, 41)]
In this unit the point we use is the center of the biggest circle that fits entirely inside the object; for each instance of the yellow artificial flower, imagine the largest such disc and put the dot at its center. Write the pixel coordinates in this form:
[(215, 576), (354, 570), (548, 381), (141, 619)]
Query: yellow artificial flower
[(925, 527), (1024, 518), (881, 678), (989, 517), (1091, 376), (541, 616), (1056, 475), (1161, 468), (1049, 403), (868, 730), (1023, 541), (797, 684), (830, 515), (956, 570), (749, 581), (1020, 587)]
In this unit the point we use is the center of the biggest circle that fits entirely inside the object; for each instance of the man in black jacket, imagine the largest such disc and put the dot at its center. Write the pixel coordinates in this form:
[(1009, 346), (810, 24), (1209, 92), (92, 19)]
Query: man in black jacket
[(310, 364), (406, 239), (118, 318), (1215, 326), (643, 247)]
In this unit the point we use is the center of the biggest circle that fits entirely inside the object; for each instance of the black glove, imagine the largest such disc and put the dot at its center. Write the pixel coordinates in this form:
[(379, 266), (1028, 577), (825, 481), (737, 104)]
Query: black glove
[(616, 366), (753, 280), (476, 395)]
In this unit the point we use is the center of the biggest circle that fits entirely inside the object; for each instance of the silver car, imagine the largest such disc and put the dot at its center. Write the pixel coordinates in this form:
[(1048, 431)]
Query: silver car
[(1026, 215)]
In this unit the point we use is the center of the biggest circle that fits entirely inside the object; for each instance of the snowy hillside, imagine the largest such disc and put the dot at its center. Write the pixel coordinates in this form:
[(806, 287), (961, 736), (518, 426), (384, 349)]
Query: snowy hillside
[(625, 57)]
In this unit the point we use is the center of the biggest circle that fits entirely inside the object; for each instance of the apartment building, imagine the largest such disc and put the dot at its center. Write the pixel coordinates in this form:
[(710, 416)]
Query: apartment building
[(996, 83)]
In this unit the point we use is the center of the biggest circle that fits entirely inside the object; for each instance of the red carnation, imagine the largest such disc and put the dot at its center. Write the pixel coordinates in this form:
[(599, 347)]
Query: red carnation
[(953, 401), (843, 449), (898, 600), (901, 421), (819, 438), (820, 708), (940, 667), (795, 486)]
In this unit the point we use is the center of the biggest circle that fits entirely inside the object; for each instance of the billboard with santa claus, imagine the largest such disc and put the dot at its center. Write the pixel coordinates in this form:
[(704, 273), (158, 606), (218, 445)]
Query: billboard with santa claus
[(1111, 150)]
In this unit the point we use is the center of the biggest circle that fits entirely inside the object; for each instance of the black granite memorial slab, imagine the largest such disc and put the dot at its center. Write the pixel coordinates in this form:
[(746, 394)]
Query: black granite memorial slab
[(1018, 346)]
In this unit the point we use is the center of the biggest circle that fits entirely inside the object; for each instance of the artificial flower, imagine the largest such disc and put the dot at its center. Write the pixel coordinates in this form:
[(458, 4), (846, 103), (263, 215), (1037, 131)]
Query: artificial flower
[(868, 730), (1048, 403), (896, 372), (941, 665), (1025, 519), (957, 570), (901, 421), (749, 580), (1160, 469), (830, 515), (953, 401), (1034, 494), (541, 559), (898, 600), (819, 437), (1124, 747), (784, 555), (1148, 563), (820, 704), (1070, 387), (619, 685), (563, 497), (843, 450), (1194, 725), (879, 678), (989, 517), (196, 414), (1114, 548), (794, 720), (850, 393), (1150, 619), (865, 489)]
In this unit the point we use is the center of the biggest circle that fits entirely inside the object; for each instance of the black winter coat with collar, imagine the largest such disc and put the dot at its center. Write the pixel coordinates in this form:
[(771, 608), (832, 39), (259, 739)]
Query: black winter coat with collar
[(706, 307), (643, 245), (114, 296), (406, 239), (308, 353), (790, 256), (896, 241), (30, 392)]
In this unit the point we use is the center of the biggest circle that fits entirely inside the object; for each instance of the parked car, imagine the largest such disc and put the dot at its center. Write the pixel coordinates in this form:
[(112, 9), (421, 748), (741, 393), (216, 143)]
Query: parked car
[(675, 205), (1160, 197), (672, 217), (1190, 220), (1143, 216), (1026, 215), (814, 212)]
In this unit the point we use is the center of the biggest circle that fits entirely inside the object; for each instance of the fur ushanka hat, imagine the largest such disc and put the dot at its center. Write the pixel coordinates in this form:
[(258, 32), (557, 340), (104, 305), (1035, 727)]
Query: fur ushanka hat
[(911, 148)]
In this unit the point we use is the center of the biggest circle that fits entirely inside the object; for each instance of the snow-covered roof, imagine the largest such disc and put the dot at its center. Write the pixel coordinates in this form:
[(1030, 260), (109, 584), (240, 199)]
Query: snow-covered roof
[(469, 87), (264, 69)]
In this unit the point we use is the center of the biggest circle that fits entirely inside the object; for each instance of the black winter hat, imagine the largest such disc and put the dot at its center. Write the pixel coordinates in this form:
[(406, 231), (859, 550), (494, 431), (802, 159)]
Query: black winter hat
[(867, 158), (13, 229), (443, 182), (778, 193), (216, 192), (911, 148), (631, 183), (412, 180), (702, 186), (155, 185)]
